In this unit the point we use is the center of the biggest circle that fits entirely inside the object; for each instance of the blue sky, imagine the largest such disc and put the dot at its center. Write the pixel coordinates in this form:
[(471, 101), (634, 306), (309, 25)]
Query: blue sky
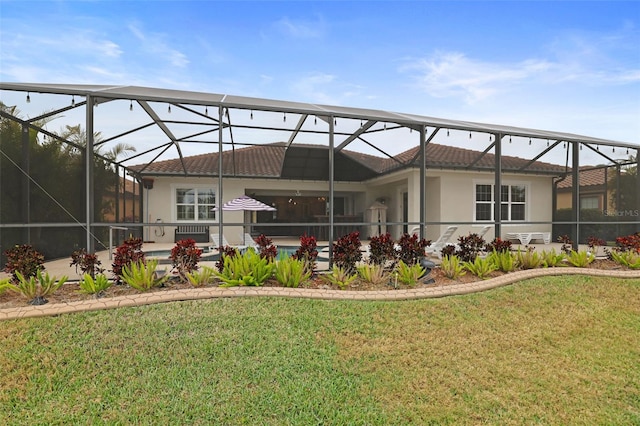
[(568, 66)]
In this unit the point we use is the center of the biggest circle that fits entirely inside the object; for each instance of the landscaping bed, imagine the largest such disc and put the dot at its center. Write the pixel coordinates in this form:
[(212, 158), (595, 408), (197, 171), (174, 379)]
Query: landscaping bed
[(70, 291)]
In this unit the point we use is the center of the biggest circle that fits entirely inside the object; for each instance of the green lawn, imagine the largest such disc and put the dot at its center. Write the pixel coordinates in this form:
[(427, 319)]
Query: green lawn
[(563, 350)]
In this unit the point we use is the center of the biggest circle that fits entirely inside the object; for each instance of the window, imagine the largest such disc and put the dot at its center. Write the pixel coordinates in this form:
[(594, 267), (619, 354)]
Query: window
[(195, 204), (589, 203), (513, 206)]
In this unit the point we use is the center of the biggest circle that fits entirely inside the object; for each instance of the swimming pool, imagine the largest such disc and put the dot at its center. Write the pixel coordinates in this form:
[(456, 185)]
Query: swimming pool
[(213, 256)]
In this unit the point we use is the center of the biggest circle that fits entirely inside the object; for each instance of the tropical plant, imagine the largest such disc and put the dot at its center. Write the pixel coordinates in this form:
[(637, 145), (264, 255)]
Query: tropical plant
[(594, 242), (629, 242), (382, 250), (185, 256), (201, 277), (225, 251), (566, 243), (88, 263), (580, 258), (266, 247), (504, 261), (480, 267), (291, 272), (97, 285), (409, 274), (36, 288), (23, 259), (4, 285), (529, 258), (411, 248), (340, 277), (143, 275), (498, 245), (452, 267), (627, 258), (372, 273), (552, 259), (307, 252), (346, 251), (247, 269), (469, 247), (130, 251)]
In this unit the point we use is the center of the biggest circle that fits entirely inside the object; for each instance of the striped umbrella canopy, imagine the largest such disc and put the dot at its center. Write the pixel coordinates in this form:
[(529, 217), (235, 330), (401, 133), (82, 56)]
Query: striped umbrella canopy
[(244, 202)]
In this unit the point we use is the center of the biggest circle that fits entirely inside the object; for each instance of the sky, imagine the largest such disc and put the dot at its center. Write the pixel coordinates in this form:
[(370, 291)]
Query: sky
[(569, 66)]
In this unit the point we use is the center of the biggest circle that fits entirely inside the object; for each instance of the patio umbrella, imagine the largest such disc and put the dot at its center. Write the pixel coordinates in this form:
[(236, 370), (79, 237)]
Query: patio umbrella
[(245, 203)]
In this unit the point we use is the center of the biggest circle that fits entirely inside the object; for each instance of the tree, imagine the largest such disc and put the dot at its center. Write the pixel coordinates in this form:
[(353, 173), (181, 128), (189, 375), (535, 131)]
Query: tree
[(55, 182), (624, 193)]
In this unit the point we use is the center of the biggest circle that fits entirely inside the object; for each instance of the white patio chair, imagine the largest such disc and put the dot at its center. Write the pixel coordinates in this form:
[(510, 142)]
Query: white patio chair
[(248, 241), (217, 242), (436, 247), (484, 230)]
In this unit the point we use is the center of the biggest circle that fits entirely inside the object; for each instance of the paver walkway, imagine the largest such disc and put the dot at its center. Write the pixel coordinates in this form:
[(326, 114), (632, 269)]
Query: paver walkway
[(217, 292)]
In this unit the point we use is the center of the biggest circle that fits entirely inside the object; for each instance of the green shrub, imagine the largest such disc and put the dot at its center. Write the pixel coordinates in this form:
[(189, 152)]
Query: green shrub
[(504, 261), (201, 277), (373, 273), (37, 288), (630, 259), (552, 259), (581, 258), (452, 267), (89, 285), (4, 285), (528, 259), (480, 267), (142, 275), (409, 274), (247, 269), (339, 276), (291, 272)]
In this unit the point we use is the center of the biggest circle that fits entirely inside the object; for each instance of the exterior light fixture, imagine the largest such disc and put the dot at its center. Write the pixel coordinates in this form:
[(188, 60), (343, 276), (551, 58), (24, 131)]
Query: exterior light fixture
[(28, 98), (73, 100), (169, 109), (131, 105), (252, 114)]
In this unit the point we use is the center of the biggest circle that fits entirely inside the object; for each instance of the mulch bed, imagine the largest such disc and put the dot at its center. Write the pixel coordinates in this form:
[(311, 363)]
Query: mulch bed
[(70, 292)]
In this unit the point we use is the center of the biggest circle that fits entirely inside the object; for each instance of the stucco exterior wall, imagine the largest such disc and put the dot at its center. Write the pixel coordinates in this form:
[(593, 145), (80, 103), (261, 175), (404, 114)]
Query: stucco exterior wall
[(454, 193), (450, 197)]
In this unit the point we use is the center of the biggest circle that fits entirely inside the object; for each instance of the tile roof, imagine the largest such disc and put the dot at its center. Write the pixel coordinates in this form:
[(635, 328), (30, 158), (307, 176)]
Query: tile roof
[(587, 177), (268, 161)]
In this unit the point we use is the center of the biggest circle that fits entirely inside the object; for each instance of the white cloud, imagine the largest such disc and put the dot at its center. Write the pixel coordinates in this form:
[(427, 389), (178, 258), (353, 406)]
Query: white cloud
[(300, 28), (454, 74), (154, 44)]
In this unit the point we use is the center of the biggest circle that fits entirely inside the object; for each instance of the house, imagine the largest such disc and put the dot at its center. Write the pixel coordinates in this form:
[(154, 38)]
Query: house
[(295, 180)]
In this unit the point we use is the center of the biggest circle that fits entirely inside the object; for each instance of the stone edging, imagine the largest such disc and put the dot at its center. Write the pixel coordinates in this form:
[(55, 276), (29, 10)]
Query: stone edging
[(217, 292)]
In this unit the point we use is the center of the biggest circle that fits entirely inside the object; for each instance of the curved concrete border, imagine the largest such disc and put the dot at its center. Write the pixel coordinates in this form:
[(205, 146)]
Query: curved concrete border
[(217, 292)]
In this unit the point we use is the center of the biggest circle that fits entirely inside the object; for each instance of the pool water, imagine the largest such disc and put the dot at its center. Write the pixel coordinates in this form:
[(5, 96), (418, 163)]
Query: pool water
[(163, 255)]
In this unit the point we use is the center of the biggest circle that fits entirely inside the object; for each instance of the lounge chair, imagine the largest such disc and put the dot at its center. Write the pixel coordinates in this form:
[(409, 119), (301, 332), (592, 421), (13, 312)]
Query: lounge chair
[(215, 239), (484, 230), (248, 241), (436, 247)]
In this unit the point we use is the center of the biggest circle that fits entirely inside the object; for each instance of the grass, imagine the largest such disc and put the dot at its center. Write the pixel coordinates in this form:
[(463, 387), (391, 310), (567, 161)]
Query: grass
[(562, 350)]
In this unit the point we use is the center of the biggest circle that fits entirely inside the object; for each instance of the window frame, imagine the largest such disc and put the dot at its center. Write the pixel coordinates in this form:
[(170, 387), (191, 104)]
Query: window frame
[(509, 203), (196, 188)]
